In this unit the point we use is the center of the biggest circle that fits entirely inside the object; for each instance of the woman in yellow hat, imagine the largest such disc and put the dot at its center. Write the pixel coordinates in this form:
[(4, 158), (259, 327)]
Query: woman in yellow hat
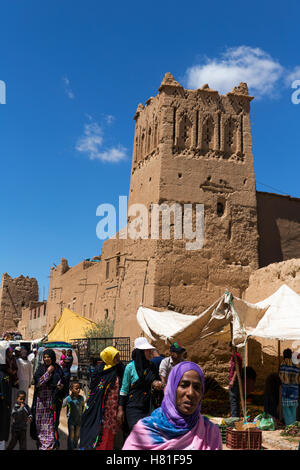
[(99, 420)]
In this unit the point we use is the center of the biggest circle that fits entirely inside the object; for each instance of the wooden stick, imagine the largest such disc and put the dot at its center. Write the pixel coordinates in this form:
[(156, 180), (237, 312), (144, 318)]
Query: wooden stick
[(240, 384), (280, 410), (238, 372)]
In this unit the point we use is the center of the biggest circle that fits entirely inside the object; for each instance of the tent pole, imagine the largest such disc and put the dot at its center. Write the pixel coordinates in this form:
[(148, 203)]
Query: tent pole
[(238, 373), (240, 385), (280, 410)]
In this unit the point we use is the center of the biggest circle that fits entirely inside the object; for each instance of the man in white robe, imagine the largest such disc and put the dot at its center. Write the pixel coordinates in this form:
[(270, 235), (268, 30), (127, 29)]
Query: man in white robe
[(24, 372)]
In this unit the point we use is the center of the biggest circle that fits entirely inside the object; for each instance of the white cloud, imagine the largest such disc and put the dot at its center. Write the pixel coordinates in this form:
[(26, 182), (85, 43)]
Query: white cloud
[(241, 64), (91, 144), (91, 140), (293, 75), (110, 118), (67, 88), (113, 155)]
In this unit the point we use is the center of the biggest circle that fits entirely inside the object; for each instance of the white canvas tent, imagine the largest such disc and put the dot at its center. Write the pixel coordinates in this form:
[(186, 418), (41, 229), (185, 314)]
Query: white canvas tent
[(171, 326), (281, 321), (282, 318)]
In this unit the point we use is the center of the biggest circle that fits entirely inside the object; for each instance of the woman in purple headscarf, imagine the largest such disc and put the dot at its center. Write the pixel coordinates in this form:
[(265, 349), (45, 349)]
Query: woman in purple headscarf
[(178, 423)]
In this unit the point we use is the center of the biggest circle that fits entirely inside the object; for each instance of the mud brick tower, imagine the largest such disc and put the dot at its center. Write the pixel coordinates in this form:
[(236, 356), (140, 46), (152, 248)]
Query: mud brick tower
[(195, 146)]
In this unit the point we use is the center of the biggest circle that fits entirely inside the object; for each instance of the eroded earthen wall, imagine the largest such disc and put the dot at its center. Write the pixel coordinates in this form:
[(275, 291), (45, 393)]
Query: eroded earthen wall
[(279, 228), (76, 288), (15, 294), (33, 324)]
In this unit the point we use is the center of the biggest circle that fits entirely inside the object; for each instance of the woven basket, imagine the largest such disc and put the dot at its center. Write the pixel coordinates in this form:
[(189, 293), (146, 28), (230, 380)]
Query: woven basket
[(250, 439)]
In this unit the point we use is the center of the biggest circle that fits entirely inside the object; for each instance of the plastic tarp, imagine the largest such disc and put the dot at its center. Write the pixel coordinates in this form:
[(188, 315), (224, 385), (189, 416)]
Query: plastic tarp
[(171, 326), (282, 318), (70, 325)]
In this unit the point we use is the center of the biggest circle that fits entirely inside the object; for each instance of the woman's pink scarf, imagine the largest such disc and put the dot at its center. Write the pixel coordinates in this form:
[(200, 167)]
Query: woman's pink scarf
[(204, 436)]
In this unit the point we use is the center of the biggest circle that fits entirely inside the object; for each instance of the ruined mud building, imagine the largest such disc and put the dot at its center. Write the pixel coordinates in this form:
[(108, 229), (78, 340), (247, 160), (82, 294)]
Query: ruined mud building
[(15, 295), (190, 146)]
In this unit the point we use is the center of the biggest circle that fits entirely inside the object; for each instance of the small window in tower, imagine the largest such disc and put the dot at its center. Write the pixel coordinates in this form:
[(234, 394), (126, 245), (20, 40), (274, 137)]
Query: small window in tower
[(107, 269), (220, 209), (106, 314), (91, 310)]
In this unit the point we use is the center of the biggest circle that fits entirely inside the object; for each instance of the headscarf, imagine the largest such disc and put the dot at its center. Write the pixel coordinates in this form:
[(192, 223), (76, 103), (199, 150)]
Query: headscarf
[(108, 355), (9, 359), (169, 402), (140, 362), (51, 354)]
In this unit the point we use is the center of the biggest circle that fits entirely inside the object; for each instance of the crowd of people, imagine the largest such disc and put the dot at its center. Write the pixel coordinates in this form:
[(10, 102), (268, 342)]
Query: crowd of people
[(153, 401), (16, 372), (51, 385)]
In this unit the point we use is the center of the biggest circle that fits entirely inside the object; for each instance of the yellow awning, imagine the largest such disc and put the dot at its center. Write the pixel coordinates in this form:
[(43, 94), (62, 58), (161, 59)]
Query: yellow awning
[(70, 325)]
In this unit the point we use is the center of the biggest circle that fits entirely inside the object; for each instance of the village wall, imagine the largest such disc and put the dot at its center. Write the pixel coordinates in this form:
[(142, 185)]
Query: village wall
[(33, 324), (75, 288)]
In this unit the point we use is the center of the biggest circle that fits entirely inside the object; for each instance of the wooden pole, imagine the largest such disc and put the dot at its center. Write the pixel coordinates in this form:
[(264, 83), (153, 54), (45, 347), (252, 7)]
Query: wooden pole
[(280, 410), (238, 373), (237, 368)]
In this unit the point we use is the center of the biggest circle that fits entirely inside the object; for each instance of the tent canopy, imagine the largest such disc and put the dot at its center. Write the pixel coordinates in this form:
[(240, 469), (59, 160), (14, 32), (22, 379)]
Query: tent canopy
[(70, 325), (172, 326), (282, 318)]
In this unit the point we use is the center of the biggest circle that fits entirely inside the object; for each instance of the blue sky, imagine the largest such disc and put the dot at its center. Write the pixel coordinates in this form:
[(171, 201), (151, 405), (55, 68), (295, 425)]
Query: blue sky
[(75, 73)]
